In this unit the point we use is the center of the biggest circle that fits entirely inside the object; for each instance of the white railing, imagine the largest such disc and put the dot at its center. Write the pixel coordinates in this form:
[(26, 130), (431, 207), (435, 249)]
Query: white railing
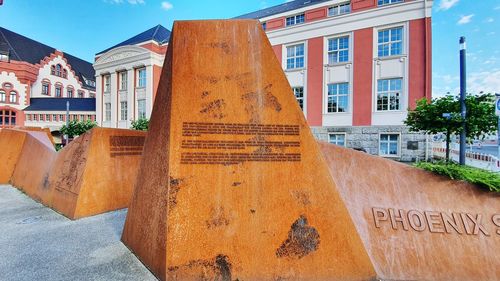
[(473, 159)]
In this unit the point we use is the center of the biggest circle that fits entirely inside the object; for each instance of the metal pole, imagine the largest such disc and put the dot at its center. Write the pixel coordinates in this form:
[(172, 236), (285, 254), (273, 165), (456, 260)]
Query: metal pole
[(498, 130), (67, 120), (463, 86)]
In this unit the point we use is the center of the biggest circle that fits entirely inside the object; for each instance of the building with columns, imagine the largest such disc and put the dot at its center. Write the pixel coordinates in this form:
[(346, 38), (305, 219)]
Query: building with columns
[(31, 70), (127, 77), (356, 67)]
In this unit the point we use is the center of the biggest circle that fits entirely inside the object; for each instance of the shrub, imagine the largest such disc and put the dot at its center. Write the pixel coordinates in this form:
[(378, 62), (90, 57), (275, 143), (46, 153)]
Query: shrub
[(475, 176), (141, 124)]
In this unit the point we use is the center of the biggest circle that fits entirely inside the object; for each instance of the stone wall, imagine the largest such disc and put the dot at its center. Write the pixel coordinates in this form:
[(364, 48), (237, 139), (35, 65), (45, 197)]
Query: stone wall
[(367, 138)]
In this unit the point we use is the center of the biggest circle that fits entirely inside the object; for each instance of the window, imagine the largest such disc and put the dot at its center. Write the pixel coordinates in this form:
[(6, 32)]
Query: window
[(7, 118), (13, 97), (338, 50), (386, 2), (264, 25), (35, 117), (41, 117), (81, 94), (61, 117), (123, 81), (45, 89), (142, 78), (28, 117), (4, 56), (108, 112), (89, 117), (340, 9), (297, 19), (58, 91), (389, 94), (295, 56), (58, 70), (2, 96), (389, 144), (338, 97), (82, 117), (65, 73), (54, 117), (107, 84), (123, 111), (337, 139), (141, 107), (390, 42), (53, 70), (47, 117), (70, 93), (299, 95), (7, 86), (91, 95)]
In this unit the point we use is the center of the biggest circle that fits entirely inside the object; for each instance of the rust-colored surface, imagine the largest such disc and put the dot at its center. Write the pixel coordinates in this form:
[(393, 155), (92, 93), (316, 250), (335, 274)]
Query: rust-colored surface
[(232, 184), (11, 143), (32, 168), (38, 129), (96, 172), (416, 225)]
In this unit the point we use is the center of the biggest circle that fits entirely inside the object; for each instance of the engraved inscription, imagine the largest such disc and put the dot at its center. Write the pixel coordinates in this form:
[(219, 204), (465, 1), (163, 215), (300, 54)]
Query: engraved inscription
[(209, 144), (126, 145), (434, 222)]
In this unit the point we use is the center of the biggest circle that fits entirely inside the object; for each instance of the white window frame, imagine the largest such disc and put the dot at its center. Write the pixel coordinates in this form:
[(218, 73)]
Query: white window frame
[(389, 142), (139, 108), (349, 94), (15, 95), (123, 111), (107, 83), (337, 7), (303, 98), (390, 2), (404, 39), (338, 134), (60, 93), (402, 92), (123, 82), (144, 82), (45, 86), (295, 19), (107, 112), (285, 56), (3, 96), (349, 53)]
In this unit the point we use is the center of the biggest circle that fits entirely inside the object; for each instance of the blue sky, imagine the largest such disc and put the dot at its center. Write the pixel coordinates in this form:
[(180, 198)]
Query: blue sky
[(86, 27)]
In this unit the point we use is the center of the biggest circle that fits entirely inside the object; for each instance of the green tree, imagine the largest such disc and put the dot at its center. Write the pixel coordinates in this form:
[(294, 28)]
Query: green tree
[(141, 124), (77, 128), (428, 117)]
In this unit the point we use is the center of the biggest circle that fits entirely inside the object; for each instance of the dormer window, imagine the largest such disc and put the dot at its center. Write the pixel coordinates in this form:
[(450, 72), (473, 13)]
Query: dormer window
[(340, 9), (4, 56), (264, 25), (58, 70), (294, 20)]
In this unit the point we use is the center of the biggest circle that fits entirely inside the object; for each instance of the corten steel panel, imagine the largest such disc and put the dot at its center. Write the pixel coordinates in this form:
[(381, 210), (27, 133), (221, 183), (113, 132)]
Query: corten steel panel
[(32, 169), (38, 129), (11, 145), (416, 225), (96, 172), (232, 185)]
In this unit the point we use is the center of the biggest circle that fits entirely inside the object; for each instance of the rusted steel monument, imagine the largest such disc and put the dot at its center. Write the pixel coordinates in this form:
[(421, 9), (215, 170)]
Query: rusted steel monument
[(232, 184)]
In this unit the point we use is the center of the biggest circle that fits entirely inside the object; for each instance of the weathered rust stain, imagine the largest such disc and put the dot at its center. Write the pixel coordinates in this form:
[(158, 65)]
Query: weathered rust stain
[(302, 240), (174, 188), (301, 197), (236, 183), (205, 94), (219, 269), (218, 218), (214, 109), (225, 47)]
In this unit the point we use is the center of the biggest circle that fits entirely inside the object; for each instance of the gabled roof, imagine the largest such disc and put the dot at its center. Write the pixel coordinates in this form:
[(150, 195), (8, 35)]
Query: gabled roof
[(59, 104), (285, 7), (159, 34), (22, 48)]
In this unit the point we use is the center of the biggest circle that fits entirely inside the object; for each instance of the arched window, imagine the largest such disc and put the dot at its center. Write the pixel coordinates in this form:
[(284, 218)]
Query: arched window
[(58, 91), (7, 118), (2, 96), (64, 73), (53, 70), (81, 94), (70, 92), (58, 70), (13, 97)]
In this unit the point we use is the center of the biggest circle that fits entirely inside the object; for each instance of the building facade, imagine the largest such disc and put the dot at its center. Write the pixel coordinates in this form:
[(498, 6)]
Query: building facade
[(127, 77), (356, 67), (31, 70)]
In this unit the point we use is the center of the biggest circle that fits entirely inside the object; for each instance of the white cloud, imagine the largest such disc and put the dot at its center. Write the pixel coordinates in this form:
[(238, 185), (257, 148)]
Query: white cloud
[(134, 2), (447, 4), (496, 8), (487, 81), (489, 20), (165, 5), (465, 19)]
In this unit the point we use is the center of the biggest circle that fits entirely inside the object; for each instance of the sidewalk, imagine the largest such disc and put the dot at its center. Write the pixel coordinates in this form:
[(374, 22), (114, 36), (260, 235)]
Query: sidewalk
[(36, 243)]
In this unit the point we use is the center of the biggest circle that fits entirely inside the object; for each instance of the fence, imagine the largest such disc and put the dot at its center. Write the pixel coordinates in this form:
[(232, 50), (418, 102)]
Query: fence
[(474, 159)]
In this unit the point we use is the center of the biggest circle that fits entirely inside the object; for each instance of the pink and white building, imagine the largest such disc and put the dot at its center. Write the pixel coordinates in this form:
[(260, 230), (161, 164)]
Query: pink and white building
[(356, 67)]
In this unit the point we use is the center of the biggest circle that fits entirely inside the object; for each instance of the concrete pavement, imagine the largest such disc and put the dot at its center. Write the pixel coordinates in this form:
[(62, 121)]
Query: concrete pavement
[(37, 243)]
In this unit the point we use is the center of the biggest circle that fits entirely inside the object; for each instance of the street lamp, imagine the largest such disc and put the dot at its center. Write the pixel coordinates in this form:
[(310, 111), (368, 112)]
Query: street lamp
[(463, 90)]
